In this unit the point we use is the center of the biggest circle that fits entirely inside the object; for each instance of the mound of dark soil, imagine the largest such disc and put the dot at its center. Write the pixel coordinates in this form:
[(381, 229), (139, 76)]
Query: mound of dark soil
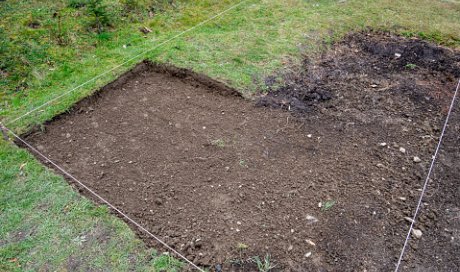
[(390, 82), (373, 67)]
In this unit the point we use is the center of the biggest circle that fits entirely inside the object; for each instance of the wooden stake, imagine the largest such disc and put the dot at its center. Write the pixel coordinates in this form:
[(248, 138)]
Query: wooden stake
[(4, 132)]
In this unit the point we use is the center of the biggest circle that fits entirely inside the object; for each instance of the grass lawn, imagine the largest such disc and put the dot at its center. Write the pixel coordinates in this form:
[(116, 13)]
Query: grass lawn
[(48, 47)]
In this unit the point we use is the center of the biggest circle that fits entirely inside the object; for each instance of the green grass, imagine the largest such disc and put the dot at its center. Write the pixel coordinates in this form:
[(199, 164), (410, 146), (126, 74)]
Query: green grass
[(48, 47)]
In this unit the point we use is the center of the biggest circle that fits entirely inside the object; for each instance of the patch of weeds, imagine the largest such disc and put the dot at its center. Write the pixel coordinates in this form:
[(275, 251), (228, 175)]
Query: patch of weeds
[(243, 163), (132, 5), (104, 36), (264, 265), (98, 210), (32, 22), (100, 15), (328, 205), (411, 66), (241, 249), (241, 246), (219, 143), (60, 31), (76, 4), (167, 263)]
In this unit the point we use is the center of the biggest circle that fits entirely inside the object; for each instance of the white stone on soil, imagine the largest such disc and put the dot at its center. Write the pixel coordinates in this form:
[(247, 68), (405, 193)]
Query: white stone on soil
[(417, 233)]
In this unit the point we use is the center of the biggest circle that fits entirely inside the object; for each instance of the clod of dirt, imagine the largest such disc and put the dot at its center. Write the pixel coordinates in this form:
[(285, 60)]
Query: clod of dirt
[(34, 24), (145, 30)]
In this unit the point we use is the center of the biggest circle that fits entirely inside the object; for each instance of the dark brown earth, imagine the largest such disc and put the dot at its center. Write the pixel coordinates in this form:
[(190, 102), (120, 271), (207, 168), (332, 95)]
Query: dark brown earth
[(206, 170)]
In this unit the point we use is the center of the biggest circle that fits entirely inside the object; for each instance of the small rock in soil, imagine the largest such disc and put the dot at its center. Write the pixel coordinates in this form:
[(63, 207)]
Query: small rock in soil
[(310, 242), (311, 219), (417, 159), (308, 254), (383, 144), (408, 219), (417, 233), (402, 150)]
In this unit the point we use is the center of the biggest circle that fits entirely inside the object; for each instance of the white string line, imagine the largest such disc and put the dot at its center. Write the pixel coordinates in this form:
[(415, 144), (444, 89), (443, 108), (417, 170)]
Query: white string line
[(127, 61), (427, 178), (104, 200)]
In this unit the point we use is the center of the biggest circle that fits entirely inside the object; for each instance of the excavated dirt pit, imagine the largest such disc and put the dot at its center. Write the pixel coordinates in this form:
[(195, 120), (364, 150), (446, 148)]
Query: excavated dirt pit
[(223, 179)]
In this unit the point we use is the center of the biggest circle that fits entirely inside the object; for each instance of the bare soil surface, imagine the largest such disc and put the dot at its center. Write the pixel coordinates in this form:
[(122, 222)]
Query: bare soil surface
[(223, 180)]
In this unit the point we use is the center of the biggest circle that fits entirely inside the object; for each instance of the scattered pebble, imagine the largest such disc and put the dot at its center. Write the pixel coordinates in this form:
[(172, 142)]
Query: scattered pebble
[(417, 233), (238, 223), (311, 219), (320, 205), (402, 198), (408, 219), (309, 135), (397, 55), (417, 159), (291, 247), (308, 254), (374, 85), (402, 150), (310, 242), (383, 144)]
